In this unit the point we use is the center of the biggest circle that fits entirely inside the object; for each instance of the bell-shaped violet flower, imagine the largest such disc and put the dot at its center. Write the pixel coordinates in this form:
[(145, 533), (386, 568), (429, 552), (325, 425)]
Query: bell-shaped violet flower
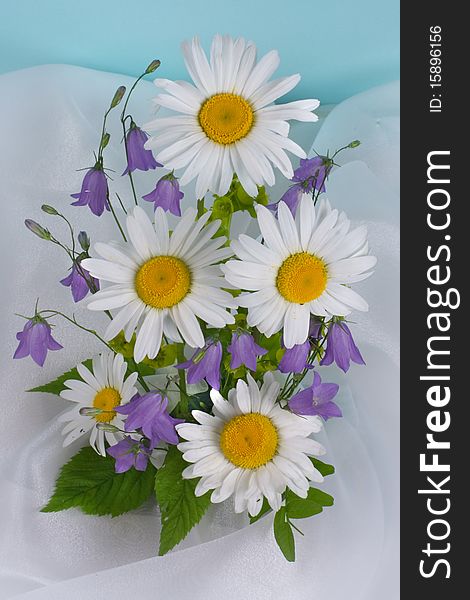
[(295, 358), (316, 400), (312, 173), (137, 155), (205, 364), (79, 281), (244, 351), (94, 192), (167, 195), (35, 340), (150, 414), (341, 348), (129, 453)]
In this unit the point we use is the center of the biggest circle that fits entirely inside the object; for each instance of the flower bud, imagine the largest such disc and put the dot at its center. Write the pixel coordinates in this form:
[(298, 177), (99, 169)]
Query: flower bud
[(88, 411), (153, 66), (354, 144), (107, 427), (84, 240), (37, 229), (105, 140), (50, 210), (118, 96)]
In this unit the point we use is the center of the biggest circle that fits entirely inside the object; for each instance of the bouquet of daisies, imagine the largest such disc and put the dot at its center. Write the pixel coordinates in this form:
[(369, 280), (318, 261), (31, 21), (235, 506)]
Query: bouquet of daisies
[(200, 394)]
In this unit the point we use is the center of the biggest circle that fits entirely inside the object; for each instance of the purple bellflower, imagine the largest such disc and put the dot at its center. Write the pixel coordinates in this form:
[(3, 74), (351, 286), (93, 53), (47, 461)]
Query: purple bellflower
[(129, 453), (316, 400), (244, 351), (94, 192), (294, 359), (205, 364), (310, 175), (78, 281), (35, 340), (150, 414), (167, 195), (137, 156), (341, 348)]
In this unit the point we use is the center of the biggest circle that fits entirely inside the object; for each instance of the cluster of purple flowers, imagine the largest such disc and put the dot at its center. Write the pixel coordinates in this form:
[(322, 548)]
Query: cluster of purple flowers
[(205, 362), (150, 422), (95, 193)]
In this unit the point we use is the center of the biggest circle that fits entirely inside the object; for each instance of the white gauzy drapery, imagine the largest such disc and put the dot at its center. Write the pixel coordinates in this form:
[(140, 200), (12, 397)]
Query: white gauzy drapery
[(50, 121)]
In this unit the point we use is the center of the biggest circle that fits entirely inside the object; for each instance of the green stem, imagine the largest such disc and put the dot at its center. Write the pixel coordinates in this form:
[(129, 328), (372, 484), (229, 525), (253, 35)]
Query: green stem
[(183, 405), (120, 202), (135, 367), (117, 220), (53, 313)]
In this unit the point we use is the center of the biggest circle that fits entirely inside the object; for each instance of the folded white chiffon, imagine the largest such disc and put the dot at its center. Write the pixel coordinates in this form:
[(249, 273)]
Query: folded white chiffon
[(50, 122)]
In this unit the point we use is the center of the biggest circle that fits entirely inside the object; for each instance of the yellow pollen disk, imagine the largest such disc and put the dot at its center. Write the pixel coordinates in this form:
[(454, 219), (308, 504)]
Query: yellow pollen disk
[(302, 277), (106, 399), (163, 281), (249, 441), (226, 118)]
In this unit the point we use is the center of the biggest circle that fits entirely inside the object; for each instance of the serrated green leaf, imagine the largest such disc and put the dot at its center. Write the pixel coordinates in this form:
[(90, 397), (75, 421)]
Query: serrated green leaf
[(323, 468), (181, 510), (264, 509), (56, 386), (284, 535), (89, 482)]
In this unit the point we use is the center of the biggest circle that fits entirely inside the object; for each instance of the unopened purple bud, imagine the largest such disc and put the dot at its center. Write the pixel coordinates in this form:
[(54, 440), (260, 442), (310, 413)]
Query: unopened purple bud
[(37, 229)]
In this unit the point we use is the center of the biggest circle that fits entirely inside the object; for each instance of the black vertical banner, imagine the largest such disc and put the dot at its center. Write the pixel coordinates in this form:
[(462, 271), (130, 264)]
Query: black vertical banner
[(435, 255)]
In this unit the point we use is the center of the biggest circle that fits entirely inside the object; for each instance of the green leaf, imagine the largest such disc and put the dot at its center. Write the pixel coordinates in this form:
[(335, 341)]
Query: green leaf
[(264, 509), (301, 508), (284, 535), (89, 481), (323, 468), (56, 386), (320, 497), (181, 510)]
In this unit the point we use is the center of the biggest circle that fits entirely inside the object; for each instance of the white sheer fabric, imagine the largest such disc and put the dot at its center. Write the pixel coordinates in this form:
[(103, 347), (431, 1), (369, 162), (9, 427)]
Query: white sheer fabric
[(50, 122)]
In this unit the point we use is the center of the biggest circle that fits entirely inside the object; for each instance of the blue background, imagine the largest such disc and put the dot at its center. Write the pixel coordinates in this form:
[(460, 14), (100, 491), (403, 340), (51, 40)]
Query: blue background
[(339, 46)]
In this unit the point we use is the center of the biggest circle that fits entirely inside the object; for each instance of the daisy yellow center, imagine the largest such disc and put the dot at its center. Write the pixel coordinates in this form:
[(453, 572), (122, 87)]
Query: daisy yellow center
[(226, 118), (105, 400), (163, 281), (302, 277), (249, 441)]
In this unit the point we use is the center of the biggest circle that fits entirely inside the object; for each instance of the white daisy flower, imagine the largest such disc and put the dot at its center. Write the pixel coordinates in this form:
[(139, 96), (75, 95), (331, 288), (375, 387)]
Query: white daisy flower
[(228, 122), (250, 448), (163, 282), (302, 267), (100, 390)]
